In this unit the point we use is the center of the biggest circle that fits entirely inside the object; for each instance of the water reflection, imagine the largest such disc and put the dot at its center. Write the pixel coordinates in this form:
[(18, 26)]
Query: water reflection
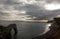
[(47, 27)]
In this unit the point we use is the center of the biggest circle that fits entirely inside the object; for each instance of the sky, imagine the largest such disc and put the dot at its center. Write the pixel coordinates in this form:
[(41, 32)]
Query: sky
[(28, 9)]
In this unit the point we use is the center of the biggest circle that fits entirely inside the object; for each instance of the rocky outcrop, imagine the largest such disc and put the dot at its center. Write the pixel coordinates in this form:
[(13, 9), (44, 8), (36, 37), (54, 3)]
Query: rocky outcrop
[(5, 32), (53, 33)]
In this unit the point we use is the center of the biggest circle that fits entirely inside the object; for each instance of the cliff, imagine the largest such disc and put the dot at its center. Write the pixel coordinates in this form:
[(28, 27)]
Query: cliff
[(53, 33)]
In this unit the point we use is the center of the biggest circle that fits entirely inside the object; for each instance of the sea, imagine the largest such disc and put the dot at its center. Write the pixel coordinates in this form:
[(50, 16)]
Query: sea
[(27, 30)]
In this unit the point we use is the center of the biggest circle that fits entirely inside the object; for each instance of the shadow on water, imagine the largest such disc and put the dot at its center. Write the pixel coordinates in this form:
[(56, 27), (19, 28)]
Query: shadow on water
[(14, 37)]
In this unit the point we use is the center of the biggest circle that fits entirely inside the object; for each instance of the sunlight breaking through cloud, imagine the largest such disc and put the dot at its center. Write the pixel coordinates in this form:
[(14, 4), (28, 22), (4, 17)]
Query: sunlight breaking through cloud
[(52, 6)]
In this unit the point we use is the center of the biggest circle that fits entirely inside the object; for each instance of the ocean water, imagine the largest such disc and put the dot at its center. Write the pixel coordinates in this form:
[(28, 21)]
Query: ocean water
[(27, 30)]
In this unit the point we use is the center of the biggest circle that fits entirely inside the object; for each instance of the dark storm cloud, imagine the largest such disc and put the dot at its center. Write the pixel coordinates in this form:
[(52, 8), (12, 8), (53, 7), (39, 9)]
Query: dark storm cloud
[(40, 13), (32, 8), (12, 2)]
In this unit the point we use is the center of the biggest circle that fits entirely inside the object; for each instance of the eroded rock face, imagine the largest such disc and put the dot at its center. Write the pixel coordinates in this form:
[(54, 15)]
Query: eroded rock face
[(53, 33), (5, 32)]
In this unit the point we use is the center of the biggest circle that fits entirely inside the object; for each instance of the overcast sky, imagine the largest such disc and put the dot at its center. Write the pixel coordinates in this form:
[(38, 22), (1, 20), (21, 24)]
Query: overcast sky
[(28, 9)]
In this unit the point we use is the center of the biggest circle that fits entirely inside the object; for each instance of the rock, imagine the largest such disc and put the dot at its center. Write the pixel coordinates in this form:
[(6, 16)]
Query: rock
[(5, 32)]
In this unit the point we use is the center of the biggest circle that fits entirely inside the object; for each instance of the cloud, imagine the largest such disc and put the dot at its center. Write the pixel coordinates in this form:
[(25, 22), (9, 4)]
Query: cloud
[(52, 6), (24, 9)]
